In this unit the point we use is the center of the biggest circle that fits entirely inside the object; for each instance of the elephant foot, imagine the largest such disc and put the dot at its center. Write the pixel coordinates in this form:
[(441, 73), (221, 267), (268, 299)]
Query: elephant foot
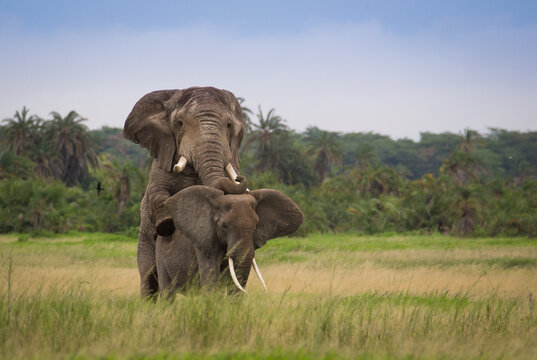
[(165, 227)]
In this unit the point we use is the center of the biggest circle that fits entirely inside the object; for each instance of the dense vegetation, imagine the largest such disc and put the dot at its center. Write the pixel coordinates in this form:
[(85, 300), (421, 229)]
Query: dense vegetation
[(462, 184)]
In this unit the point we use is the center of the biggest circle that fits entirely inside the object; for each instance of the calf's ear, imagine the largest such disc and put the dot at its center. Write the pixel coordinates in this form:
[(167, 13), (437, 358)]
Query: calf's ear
[(192, 213), (278, 215)]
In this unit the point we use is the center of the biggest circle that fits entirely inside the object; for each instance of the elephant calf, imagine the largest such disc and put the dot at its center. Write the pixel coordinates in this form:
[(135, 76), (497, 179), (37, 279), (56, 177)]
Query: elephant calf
[(217, 233)]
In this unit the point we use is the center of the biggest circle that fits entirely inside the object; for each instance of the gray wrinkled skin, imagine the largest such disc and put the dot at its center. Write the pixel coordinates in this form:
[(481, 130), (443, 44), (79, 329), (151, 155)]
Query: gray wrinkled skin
[(204, 125), (211, 226)]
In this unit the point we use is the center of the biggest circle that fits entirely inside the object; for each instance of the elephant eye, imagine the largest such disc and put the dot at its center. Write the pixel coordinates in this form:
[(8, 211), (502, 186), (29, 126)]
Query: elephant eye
[(180, 123)]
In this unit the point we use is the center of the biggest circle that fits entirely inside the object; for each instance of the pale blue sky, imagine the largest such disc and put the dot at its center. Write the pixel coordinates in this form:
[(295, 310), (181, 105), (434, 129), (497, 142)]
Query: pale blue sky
[(392, 67)]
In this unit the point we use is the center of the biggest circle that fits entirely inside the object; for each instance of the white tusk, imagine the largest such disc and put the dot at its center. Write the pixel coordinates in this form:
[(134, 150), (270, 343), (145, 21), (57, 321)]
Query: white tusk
[(180, 166), (233, 276), (232, 174), (259, 274)]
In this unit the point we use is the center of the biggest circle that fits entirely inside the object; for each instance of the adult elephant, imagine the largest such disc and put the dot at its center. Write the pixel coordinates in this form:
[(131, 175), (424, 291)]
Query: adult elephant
[(216, 235), (194, 136)]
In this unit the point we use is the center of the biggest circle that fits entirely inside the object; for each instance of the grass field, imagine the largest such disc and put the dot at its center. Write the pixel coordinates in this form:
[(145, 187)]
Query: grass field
[(331, 296)]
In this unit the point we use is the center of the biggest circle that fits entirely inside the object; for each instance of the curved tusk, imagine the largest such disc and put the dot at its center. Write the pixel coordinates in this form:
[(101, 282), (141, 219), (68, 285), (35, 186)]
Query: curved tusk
[(232, 174), (233, 276), (180, 166), (259, 274)]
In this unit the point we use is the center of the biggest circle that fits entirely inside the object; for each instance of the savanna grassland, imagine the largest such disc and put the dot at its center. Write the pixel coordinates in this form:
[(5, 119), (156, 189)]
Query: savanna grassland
[(331, 296)]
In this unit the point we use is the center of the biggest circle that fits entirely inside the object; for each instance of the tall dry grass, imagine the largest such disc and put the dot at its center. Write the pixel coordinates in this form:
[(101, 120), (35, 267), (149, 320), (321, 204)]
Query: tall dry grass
[(77, 321), (320, 308)]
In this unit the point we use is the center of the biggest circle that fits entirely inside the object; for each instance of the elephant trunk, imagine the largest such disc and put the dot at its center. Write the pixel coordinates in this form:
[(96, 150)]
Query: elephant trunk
[(209, 163)]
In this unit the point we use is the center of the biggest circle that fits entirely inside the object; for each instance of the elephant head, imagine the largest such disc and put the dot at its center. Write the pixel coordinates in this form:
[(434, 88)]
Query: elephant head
[(231, 226), (199, 128)]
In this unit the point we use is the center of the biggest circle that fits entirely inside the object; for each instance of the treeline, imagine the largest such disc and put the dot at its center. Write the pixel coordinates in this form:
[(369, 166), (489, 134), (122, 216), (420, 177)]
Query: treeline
[(49, 171), (464, 184)]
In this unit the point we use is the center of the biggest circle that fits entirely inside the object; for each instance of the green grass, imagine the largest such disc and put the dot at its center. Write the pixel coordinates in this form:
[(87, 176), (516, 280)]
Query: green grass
[(303, 249), (116, 250), (504, 262), (74, 319), (346, 242)]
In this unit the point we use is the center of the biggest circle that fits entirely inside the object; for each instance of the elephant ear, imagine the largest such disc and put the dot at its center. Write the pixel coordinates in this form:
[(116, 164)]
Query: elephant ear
[(278, 215), (192, 213), (147, 125), (236, 140)]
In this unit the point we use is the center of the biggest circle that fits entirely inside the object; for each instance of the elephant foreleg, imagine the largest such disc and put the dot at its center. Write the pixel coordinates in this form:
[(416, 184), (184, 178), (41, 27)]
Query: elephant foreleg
[(146, 255), (148, 270)]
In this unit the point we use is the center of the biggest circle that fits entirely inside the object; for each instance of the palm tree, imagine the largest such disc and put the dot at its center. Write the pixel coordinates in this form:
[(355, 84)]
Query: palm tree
[(48, 162), (469, 138), (364, 156), (325, 148), (119, 179), (286, 160), (267, 128), (71, 139), (19, 132), (246, 112), (462, 166)]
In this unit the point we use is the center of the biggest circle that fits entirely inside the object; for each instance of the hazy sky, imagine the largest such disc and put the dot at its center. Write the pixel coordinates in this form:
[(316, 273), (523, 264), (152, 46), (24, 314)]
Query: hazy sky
[(392, 67)]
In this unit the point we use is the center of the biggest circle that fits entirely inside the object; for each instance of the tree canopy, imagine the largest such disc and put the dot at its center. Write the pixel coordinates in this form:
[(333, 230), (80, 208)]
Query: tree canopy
[(465, 183)]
